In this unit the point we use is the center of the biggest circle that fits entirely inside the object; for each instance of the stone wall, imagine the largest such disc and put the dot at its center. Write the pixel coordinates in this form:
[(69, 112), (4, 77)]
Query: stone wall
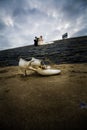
[(72, 50)]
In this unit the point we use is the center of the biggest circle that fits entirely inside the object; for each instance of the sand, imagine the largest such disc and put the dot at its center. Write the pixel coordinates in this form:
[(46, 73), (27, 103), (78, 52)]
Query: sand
[(56, 102)]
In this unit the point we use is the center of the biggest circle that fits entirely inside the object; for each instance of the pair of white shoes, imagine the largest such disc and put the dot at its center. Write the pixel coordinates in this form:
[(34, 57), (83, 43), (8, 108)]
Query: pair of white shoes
[(33, 64), (37, 66)]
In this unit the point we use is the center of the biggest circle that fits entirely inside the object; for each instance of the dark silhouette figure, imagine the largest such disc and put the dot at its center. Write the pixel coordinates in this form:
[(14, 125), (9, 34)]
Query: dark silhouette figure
[(64, 36), (36, 41)]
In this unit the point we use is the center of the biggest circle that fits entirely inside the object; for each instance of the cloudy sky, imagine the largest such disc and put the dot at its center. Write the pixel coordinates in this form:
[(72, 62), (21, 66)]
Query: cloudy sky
[(22, 20)]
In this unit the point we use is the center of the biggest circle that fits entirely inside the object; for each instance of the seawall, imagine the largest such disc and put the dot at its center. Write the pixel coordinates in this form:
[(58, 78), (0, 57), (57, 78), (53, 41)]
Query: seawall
[(71, 50)]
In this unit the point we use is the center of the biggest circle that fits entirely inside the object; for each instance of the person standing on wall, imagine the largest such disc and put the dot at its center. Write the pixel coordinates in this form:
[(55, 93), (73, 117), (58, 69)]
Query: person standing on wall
[(40, 40), (36, 41)]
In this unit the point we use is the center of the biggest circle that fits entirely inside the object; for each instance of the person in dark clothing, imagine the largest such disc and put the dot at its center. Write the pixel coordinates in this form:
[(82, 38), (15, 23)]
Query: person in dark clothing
[(36, 41)]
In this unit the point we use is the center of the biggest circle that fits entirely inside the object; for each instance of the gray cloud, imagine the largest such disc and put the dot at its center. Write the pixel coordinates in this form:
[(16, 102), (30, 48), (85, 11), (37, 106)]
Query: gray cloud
[(21, 20), (2, 25), (4, 42), (80, 32)]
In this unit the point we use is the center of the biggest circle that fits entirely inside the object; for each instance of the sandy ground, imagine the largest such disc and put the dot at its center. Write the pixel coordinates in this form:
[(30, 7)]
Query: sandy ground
[(45, 103)]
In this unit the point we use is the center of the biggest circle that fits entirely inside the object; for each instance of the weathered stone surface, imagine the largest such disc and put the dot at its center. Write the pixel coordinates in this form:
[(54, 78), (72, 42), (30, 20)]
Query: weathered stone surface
[(72, 50)]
